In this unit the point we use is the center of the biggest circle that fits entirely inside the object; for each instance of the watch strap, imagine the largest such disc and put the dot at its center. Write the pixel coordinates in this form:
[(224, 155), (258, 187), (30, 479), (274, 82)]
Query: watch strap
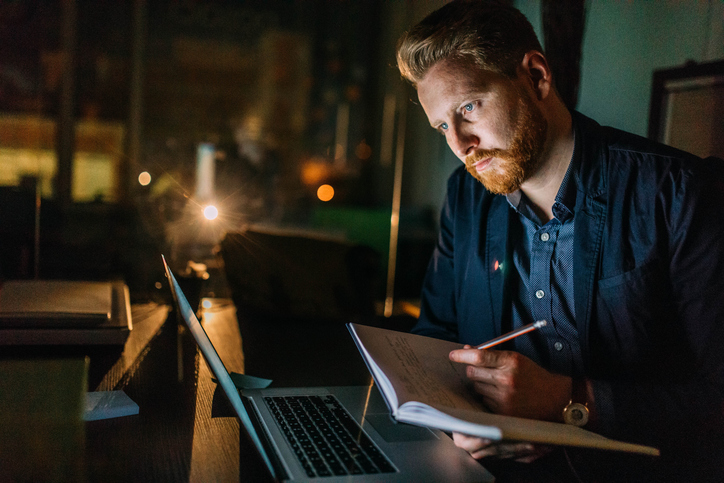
[(576, 412), (579, 391)]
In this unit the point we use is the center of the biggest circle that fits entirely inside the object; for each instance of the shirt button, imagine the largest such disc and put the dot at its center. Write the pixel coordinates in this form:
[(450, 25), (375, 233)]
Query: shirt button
[(540, 294), (544, 237), (558, 346)]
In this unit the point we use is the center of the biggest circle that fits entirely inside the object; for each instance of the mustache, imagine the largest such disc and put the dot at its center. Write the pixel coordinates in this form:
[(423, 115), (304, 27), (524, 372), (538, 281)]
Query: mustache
[(480, 154)]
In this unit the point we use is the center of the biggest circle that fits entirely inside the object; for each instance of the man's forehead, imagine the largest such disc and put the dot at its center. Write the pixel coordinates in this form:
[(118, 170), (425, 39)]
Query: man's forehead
[(462, 76), (450, 82)]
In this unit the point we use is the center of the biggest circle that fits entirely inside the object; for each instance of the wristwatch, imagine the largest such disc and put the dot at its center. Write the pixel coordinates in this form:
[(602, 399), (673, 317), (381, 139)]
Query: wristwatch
[(576, 412)]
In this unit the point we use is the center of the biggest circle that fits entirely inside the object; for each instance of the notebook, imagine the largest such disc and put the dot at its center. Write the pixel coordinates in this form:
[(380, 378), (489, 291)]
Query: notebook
[(332, 433), (55, 303), (61, 312)]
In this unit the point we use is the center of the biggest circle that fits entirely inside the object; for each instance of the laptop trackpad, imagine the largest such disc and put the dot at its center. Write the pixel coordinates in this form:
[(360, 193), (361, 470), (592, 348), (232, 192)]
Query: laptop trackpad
[(393, 432)]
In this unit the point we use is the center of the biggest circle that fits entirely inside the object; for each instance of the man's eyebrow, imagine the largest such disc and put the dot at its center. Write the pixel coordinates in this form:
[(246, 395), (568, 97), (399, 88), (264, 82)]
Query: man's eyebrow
[(436, 124)]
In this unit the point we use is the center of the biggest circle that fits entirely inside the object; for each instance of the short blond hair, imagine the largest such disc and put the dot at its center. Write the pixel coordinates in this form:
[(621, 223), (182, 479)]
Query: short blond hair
[(488, 34)]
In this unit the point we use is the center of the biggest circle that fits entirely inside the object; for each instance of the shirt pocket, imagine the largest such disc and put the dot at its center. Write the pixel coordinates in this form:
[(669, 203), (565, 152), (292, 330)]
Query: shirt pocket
[(634, 314)]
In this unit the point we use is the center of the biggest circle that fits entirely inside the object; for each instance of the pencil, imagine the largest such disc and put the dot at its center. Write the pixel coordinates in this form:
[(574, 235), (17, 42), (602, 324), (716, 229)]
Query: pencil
[(512, 335)]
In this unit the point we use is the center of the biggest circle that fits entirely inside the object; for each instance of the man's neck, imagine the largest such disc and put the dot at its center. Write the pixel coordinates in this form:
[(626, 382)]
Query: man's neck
[(542, 188)]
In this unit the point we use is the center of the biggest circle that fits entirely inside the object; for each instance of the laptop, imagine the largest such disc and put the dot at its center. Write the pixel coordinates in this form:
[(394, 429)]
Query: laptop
[(332, 434)]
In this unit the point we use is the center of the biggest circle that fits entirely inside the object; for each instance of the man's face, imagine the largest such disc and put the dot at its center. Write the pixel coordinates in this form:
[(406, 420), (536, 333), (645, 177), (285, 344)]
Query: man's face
[(489, 121)]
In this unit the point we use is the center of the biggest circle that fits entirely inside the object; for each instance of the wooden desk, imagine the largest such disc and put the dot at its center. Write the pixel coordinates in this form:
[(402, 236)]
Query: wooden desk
[(185, 430), (174, 437)]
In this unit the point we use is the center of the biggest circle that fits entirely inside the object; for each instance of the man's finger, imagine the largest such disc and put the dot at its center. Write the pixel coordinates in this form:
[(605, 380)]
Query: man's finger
[(477, 357), (485, 375), (485, 453), (538, 451), (506, 451), (518, 450), (471, 444), (490, 396)]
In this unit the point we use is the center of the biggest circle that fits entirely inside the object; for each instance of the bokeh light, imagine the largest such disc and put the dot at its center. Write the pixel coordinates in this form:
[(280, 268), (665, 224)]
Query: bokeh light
[(325, 192), (144, 178), (363, 151), (210, 212)]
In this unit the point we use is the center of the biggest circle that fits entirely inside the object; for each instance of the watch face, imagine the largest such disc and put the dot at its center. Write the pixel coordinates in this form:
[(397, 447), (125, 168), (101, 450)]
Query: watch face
[(576, 414)]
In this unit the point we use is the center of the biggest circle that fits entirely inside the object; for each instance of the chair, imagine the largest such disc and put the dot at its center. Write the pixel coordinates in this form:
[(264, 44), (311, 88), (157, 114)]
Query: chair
[(294, 291)]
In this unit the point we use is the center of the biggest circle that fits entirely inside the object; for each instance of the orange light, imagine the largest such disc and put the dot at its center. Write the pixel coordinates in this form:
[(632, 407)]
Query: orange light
[(496, 265), (325, 192), (144, 178), (363, 150), (315, 171)]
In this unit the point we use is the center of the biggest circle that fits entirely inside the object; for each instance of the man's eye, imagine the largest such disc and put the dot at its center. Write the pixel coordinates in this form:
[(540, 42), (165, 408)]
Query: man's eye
[(469, 107), (443, 126)]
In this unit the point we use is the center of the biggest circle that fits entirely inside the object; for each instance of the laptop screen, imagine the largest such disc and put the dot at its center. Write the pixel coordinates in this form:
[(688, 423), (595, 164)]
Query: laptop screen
[(214, 362)]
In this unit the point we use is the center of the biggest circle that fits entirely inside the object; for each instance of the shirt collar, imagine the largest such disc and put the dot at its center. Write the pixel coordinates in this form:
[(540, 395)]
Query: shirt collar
[(565, 202)]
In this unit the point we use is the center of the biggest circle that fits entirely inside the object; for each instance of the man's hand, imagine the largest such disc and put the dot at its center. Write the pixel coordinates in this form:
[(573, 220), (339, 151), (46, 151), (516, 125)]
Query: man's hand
[(484, 448), (513, 385)]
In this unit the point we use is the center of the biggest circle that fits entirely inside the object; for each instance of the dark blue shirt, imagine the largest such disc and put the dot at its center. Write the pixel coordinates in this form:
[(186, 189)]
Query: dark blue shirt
[(543, 280), (647, 269)]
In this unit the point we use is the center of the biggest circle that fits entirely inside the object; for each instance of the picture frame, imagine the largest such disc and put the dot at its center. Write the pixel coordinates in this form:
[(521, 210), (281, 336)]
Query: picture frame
[(687, 108)]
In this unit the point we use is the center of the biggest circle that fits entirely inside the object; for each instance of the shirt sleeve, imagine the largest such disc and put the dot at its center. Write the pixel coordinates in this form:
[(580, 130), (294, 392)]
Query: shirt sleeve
[(438, 314)]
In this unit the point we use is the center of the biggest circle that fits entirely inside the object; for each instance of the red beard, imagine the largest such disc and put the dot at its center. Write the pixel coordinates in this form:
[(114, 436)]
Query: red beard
[(514, 165)]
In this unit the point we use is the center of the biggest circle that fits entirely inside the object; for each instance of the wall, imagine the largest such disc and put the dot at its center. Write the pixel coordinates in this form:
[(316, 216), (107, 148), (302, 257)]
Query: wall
[(625, 41), (427, 160)]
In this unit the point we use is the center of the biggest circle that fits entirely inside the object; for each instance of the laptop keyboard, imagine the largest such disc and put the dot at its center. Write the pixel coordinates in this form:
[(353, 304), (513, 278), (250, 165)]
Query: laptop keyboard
[(325, 438)]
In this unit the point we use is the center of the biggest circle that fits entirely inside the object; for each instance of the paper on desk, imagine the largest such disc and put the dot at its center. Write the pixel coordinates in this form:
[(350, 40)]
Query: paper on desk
[(108, 404), (244, 381)]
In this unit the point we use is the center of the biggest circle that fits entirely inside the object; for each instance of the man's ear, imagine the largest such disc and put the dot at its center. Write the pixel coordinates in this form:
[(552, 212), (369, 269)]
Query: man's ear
[(537, 73)]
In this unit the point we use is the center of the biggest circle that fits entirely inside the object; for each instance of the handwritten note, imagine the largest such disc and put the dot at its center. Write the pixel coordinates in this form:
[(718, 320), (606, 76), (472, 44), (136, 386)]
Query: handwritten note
[(420, 370)]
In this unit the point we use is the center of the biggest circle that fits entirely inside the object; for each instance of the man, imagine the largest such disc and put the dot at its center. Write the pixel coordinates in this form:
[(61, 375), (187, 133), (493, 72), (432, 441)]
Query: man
[(614, 240)]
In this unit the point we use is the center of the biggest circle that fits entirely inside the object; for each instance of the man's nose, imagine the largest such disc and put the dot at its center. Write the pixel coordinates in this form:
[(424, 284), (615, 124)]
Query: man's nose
[(462, 142)]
